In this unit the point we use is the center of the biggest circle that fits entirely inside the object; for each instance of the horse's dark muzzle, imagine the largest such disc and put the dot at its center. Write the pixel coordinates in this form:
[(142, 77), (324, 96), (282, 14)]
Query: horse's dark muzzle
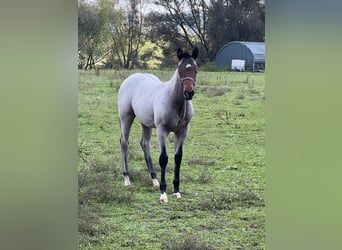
[(188, 95)]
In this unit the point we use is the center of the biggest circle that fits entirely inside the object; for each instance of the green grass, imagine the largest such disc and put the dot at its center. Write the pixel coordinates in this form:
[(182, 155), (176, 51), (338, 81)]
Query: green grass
[(222, 173)]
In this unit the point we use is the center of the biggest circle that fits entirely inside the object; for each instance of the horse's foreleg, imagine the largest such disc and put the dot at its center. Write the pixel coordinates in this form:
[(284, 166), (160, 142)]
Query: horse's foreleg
[(145, 144), (176, 178), (179, 140), (163, 159)]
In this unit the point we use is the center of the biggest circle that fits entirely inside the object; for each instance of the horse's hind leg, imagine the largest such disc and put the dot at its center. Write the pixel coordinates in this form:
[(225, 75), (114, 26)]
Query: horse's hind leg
[(126, 123), (145, 144)]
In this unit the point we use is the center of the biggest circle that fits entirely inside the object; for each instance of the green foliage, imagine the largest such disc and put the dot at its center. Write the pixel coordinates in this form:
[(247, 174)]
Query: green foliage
[(242, 20), (150, 56), (222, 173), (116, 34)]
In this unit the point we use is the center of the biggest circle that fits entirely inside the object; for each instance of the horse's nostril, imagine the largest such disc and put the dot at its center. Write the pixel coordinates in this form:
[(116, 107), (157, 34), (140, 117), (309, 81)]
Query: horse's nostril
[(188, 95)]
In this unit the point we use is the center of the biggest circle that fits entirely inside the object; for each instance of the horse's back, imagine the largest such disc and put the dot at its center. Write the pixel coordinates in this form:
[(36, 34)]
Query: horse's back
[(136, 82), (136, 95)]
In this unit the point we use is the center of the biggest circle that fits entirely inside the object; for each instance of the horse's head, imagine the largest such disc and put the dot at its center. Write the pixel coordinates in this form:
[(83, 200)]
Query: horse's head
[(187, 69)]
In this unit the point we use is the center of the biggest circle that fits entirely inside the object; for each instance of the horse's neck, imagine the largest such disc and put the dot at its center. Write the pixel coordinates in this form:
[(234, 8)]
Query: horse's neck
[(175, 89)]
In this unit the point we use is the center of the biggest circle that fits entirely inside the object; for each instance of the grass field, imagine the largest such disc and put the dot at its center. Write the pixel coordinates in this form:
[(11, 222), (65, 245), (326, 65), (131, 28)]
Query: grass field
[(222, 172)]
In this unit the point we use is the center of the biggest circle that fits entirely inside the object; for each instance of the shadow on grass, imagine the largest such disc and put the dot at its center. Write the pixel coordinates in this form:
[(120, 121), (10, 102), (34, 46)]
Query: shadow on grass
[(102, 183), (224, 200), (98, 184), (214, 91), (191, 242)]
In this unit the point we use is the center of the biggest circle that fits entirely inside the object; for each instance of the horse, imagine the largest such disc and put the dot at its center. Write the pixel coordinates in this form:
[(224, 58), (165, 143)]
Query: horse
[(166, 106)]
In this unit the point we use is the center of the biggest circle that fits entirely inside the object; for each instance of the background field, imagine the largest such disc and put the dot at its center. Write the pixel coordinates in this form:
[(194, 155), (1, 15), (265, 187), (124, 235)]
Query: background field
[(222, 174)]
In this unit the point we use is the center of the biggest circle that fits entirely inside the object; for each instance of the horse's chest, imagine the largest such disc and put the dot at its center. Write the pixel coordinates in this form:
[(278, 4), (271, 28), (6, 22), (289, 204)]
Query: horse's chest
[(177, 121)]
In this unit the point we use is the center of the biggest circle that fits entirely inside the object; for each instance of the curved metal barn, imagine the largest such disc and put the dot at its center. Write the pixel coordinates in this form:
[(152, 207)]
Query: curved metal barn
[(253, 53)]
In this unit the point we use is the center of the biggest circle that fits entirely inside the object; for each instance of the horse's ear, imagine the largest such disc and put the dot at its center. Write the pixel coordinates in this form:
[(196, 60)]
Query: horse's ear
[(180, 53), (195, 53)]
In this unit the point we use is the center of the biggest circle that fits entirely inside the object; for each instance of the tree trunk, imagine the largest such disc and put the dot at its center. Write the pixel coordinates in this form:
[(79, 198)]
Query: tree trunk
[(90, 62)]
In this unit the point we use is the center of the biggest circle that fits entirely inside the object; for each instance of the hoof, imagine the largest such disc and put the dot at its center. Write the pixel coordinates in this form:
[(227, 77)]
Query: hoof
[(155, 183), (127, 182), (163, 198), (177, 195)]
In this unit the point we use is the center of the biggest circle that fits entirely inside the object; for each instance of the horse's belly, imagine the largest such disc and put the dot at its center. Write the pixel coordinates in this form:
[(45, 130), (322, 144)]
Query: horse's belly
[(144, 113), (142, 103), (147, 122)]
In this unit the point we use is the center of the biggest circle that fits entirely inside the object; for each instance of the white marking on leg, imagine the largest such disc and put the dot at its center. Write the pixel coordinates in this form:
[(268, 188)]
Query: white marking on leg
[(127, 182), (163, 197), (155, 183), (178, 195)]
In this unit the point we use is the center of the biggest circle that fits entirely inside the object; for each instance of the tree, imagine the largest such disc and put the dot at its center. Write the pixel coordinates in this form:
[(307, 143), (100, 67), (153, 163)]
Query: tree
[(89, 30), (235, 20), (161, 32), (188, 20), (125, 26), (118, 30)]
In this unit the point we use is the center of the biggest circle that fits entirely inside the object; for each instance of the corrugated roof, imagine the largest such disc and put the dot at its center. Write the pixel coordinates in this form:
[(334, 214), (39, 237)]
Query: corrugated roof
[(257, 48)]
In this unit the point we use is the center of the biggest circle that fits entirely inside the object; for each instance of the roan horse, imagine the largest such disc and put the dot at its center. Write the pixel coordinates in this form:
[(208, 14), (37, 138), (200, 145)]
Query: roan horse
[(165, 106)]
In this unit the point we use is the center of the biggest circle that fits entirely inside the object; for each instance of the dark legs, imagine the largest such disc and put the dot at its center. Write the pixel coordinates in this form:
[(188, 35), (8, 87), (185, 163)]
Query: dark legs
[(178, 160), (145, 144), (163, 160), (179, 140)]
